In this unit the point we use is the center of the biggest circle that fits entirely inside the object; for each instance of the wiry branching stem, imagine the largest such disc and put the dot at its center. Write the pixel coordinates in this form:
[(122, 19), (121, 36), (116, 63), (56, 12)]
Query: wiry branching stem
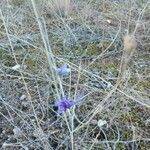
[(48, 51)]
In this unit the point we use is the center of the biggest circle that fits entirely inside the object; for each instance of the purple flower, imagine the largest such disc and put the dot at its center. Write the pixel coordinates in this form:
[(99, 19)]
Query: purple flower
[(63, 70), (64, 104)]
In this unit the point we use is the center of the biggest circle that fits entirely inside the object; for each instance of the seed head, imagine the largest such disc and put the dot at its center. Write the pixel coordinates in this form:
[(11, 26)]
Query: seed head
[(129, 42)]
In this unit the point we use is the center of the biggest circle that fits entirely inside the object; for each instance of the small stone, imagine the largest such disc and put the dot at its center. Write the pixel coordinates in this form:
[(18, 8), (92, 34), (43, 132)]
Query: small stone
[(109, 21), (101, 123), (109, 85), (17, 132), (23, 97), (25, 148), (16, 67), (4, 131)]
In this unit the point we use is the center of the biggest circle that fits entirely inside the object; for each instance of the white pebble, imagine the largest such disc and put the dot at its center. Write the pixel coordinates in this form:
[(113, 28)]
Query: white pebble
[(109, 21), (16, 67), (23, 97), (101, 123), (17, 132)]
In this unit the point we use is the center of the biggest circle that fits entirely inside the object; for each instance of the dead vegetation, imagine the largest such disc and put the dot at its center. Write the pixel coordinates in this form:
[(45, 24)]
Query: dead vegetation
[(102, 42)]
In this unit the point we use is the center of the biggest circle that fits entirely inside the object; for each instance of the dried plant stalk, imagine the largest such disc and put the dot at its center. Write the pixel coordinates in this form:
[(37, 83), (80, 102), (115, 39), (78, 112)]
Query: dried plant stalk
[(61, 6), (130, 45)]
